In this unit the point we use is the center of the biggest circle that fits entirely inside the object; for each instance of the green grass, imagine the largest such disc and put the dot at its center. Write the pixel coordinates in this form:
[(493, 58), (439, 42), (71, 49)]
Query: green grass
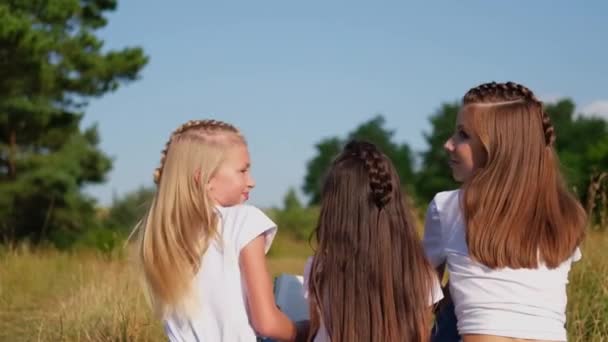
[(46, 295)]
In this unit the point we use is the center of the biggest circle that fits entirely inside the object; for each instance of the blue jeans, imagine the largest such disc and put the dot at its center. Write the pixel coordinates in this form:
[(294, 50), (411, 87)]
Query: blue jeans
[(444, 329)]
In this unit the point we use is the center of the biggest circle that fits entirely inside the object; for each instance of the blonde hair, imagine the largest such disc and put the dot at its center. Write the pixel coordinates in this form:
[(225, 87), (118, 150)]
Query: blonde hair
[(517, 207), (181, 221)]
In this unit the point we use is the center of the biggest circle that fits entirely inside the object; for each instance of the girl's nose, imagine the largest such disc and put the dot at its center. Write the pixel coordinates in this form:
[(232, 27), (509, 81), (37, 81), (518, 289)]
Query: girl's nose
[(251, 183), (449, 145)]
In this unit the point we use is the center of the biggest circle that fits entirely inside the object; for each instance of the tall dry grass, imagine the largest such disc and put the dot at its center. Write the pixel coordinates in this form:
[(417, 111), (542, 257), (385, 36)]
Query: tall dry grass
[(53, 296), (588, 292), (46, 295)]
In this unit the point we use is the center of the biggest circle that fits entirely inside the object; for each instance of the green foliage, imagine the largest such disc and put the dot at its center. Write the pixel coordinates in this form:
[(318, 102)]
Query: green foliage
[(126, 211), (372, 131), (117, 222), (582, 144), (51, 62), (327, 150), (102, 239), (435, 175), (295, 219)]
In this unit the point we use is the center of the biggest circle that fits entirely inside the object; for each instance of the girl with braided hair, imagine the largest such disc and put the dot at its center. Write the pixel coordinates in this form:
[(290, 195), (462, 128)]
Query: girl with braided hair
[(201, 250), (510, 234), (369, 279)]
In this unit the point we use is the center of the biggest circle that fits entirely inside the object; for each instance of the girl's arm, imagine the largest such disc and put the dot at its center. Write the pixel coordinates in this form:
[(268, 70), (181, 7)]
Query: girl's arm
[(266, 318)]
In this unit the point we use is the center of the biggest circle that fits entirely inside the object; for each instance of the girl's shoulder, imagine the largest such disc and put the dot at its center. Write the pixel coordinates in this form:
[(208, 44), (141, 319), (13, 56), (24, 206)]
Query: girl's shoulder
[(244, 207), (242, 213), (243, 222), (444, 215), (447, 201)]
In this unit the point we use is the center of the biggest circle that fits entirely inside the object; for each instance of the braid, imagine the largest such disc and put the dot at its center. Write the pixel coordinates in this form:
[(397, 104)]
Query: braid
[(510, 92), (379, 176), (207, 126), (548, 129)]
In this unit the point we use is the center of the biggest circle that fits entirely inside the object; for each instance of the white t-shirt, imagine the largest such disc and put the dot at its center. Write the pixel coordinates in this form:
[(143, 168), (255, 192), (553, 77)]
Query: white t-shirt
[(221, 313), (517, 303), (435, 295)]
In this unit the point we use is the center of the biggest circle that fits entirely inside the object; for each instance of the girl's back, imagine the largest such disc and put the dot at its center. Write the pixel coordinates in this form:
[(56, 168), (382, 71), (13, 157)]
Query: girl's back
[(220, 311), (519, 303), (201, 250), (369, 279)]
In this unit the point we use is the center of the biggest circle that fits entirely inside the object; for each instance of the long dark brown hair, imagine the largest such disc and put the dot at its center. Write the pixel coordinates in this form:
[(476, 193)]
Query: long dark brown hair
[(517, 207), (370, 280)]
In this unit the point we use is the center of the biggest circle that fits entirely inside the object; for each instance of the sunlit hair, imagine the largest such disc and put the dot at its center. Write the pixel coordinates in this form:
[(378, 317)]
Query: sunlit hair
[(370, 280), (181, 221), (517, 208)]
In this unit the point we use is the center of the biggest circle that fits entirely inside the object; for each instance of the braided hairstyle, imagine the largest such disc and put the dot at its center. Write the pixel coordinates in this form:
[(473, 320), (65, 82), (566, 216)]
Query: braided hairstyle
[(517, 207), (369, 278), (380, 181), (510, 92), (193, 126), (181, 221)]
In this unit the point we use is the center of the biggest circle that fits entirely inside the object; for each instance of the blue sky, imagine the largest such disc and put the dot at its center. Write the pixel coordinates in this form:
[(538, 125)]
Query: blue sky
[(290, 73)]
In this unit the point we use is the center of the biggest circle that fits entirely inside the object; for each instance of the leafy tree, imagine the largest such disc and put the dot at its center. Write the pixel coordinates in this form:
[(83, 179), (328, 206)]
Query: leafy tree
[(296, 219), (126, 211), (435, 175), (327, 150), (582, 144), (291, 200), (372, 131), (51, 62)]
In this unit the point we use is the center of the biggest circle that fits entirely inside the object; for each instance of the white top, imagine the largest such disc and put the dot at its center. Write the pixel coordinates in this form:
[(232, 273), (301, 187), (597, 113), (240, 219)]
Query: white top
[(221, 313), (435, 295), (517, 303)]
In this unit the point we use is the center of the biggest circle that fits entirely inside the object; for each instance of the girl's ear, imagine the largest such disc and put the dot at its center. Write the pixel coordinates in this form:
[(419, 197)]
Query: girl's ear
[(197, 177), (210, 183)]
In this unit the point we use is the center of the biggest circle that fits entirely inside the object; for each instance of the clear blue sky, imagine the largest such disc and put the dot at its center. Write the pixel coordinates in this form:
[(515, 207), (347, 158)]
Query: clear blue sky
[(291, 73)]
